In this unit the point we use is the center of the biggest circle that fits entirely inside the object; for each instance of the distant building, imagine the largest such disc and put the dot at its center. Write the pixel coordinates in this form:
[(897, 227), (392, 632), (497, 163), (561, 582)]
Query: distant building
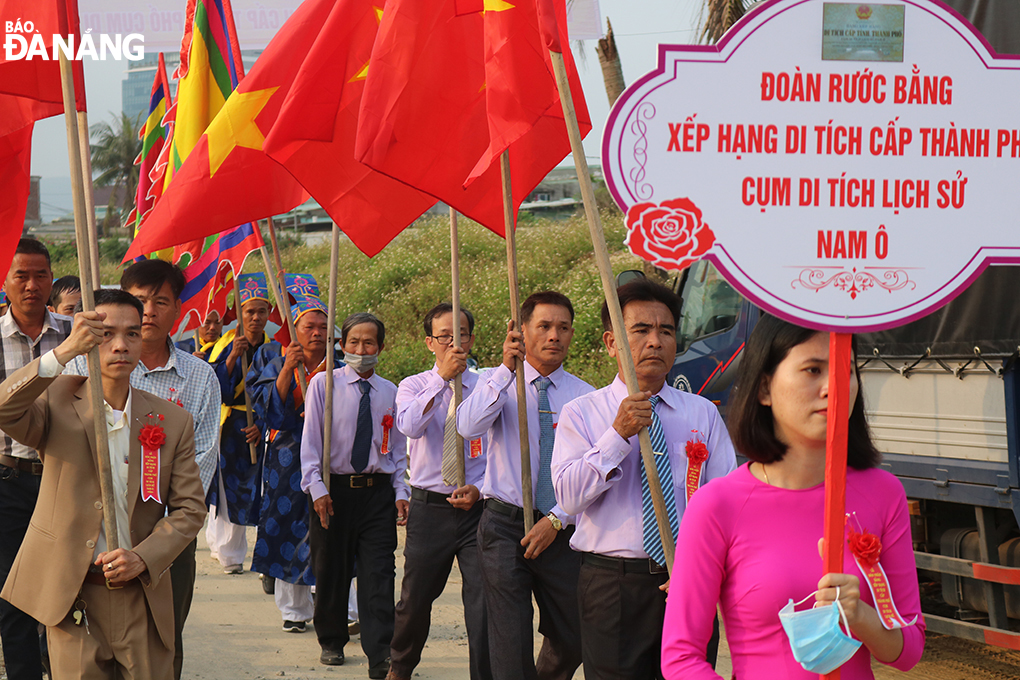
[(560, 188), (137, 87)]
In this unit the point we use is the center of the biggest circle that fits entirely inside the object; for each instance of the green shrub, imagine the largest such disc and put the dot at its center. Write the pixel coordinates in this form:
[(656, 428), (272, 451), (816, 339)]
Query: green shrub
[(412, 274)]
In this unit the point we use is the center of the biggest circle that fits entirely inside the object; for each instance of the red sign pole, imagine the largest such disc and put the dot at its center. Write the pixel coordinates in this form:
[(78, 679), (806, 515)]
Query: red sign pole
[(835, 456)]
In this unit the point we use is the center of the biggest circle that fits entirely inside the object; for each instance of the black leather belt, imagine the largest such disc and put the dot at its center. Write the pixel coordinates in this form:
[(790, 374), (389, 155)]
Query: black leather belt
[(362, 481), (512, 511), (623, 565), (34, 467), (97, 579), (426, 496)]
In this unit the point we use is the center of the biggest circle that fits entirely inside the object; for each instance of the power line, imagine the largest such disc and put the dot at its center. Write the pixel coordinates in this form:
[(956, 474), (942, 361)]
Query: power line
[(679, 30)]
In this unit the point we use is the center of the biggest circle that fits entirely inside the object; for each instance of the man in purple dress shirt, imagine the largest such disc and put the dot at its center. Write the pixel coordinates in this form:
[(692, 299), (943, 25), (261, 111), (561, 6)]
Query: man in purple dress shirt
[(355, 519), (516, 565), (443, 519), (597, 473)]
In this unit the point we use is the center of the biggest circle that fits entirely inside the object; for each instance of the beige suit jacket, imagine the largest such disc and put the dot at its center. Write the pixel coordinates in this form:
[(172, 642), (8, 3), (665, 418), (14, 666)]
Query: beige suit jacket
[(54, 416)]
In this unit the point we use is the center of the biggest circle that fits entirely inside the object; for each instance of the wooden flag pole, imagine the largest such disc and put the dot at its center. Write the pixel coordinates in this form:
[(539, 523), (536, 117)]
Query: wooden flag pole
[(244, 367), (458, 383), (283, 300), (198, 339), (837, 426), (515, 314), (327, 413), (90, 199), (88, 300), (605, 268)]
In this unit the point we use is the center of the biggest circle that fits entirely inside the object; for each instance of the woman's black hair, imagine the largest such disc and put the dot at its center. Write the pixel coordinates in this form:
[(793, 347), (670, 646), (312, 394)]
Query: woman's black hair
[(750, 422)]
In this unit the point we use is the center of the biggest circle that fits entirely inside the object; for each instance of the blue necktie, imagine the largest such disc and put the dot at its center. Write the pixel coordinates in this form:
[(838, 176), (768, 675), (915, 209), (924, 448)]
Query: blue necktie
[(363, 435), (545, 497), (652, 543)]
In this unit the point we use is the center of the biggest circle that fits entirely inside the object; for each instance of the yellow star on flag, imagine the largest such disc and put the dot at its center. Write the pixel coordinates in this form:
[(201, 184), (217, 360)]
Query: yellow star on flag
[(235, 125), (363, 71), (496, 6)]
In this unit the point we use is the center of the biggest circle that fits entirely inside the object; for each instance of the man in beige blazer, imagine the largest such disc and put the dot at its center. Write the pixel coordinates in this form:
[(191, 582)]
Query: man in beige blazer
[(62, 572)]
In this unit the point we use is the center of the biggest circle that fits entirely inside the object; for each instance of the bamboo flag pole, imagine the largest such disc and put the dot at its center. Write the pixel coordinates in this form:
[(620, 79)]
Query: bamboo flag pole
[(609, 287), (88, 300), (198, 339), (244, 367), (283, 300), (515, 314), (90, 199), (458, 383), (327, 413)]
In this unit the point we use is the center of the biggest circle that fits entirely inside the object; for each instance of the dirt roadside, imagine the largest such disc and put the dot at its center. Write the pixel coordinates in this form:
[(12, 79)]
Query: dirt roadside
[(234, 632)]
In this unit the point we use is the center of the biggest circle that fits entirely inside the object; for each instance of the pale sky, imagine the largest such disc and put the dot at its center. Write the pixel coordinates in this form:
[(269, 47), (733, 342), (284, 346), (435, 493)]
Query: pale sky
[(640, 25)]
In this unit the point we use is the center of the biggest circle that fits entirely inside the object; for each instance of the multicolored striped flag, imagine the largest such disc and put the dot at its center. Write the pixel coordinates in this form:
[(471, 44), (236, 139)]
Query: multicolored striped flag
[(154, 135), (210, 276), (209, 71)]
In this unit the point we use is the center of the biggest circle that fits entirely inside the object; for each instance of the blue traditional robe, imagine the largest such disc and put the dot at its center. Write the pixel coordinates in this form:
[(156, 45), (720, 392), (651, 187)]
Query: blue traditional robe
[(241, 477), (282, 550)]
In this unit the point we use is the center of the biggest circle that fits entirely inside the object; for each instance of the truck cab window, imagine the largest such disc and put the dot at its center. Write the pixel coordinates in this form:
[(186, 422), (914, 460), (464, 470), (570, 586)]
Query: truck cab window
[(710, 305)]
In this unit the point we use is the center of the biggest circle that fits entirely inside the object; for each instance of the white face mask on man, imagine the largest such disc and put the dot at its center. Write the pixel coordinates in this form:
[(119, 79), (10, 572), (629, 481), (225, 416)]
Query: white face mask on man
[(361, 363)]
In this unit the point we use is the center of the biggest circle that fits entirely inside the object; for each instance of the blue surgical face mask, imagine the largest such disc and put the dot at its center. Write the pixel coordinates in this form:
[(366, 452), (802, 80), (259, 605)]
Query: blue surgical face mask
[(361, 363), (817, 642)]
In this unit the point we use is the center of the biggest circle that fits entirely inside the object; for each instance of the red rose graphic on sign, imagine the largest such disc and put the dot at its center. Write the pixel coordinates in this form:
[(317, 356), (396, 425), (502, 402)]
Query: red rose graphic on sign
[(670, 235)]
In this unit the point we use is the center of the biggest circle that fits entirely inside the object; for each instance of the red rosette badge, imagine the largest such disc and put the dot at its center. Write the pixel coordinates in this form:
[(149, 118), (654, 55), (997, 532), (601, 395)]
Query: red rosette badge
[(865, 546), (151, 437), (697, 454), (387, 425), (670, 234), (866, 549)]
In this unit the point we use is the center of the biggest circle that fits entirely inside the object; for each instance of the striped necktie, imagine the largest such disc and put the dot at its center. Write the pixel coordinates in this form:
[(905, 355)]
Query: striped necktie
[(652, 541), (450, 447), (545, 497)]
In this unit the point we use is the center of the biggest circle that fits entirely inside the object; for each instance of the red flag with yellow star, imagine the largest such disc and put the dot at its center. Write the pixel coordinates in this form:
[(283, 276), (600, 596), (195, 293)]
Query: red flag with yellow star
[(227, 179), (314, 134), (427, 117), (522, 102)]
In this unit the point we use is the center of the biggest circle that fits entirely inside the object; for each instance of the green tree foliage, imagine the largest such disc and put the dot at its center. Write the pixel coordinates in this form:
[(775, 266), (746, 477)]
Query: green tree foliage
[(412, 274), (114, 149)]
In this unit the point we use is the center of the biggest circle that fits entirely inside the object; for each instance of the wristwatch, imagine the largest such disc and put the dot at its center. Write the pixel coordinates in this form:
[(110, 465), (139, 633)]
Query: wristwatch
[(557, 524)]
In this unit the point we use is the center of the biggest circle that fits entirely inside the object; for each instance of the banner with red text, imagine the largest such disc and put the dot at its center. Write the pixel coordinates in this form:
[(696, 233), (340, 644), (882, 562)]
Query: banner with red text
[(848, 166)]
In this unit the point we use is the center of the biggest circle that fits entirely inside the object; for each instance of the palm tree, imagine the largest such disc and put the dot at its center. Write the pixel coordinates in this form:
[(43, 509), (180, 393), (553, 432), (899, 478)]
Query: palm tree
[(612, 68), (719, 15), (114, 149)]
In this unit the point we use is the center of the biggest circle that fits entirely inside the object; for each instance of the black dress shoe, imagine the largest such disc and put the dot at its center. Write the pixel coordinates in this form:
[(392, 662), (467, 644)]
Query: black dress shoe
[(332, 657), (378, 671)]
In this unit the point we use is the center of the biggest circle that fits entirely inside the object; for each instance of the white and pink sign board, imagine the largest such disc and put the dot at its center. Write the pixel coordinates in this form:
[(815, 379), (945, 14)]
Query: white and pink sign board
[(847, 166)]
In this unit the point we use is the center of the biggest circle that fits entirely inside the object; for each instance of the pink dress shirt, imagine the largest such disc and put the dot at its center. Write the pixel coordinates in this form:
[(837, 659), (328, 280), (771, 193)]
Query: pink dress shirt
[(425, 430), (492, 411), (346, 398), (751, 547), (597, 473)]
